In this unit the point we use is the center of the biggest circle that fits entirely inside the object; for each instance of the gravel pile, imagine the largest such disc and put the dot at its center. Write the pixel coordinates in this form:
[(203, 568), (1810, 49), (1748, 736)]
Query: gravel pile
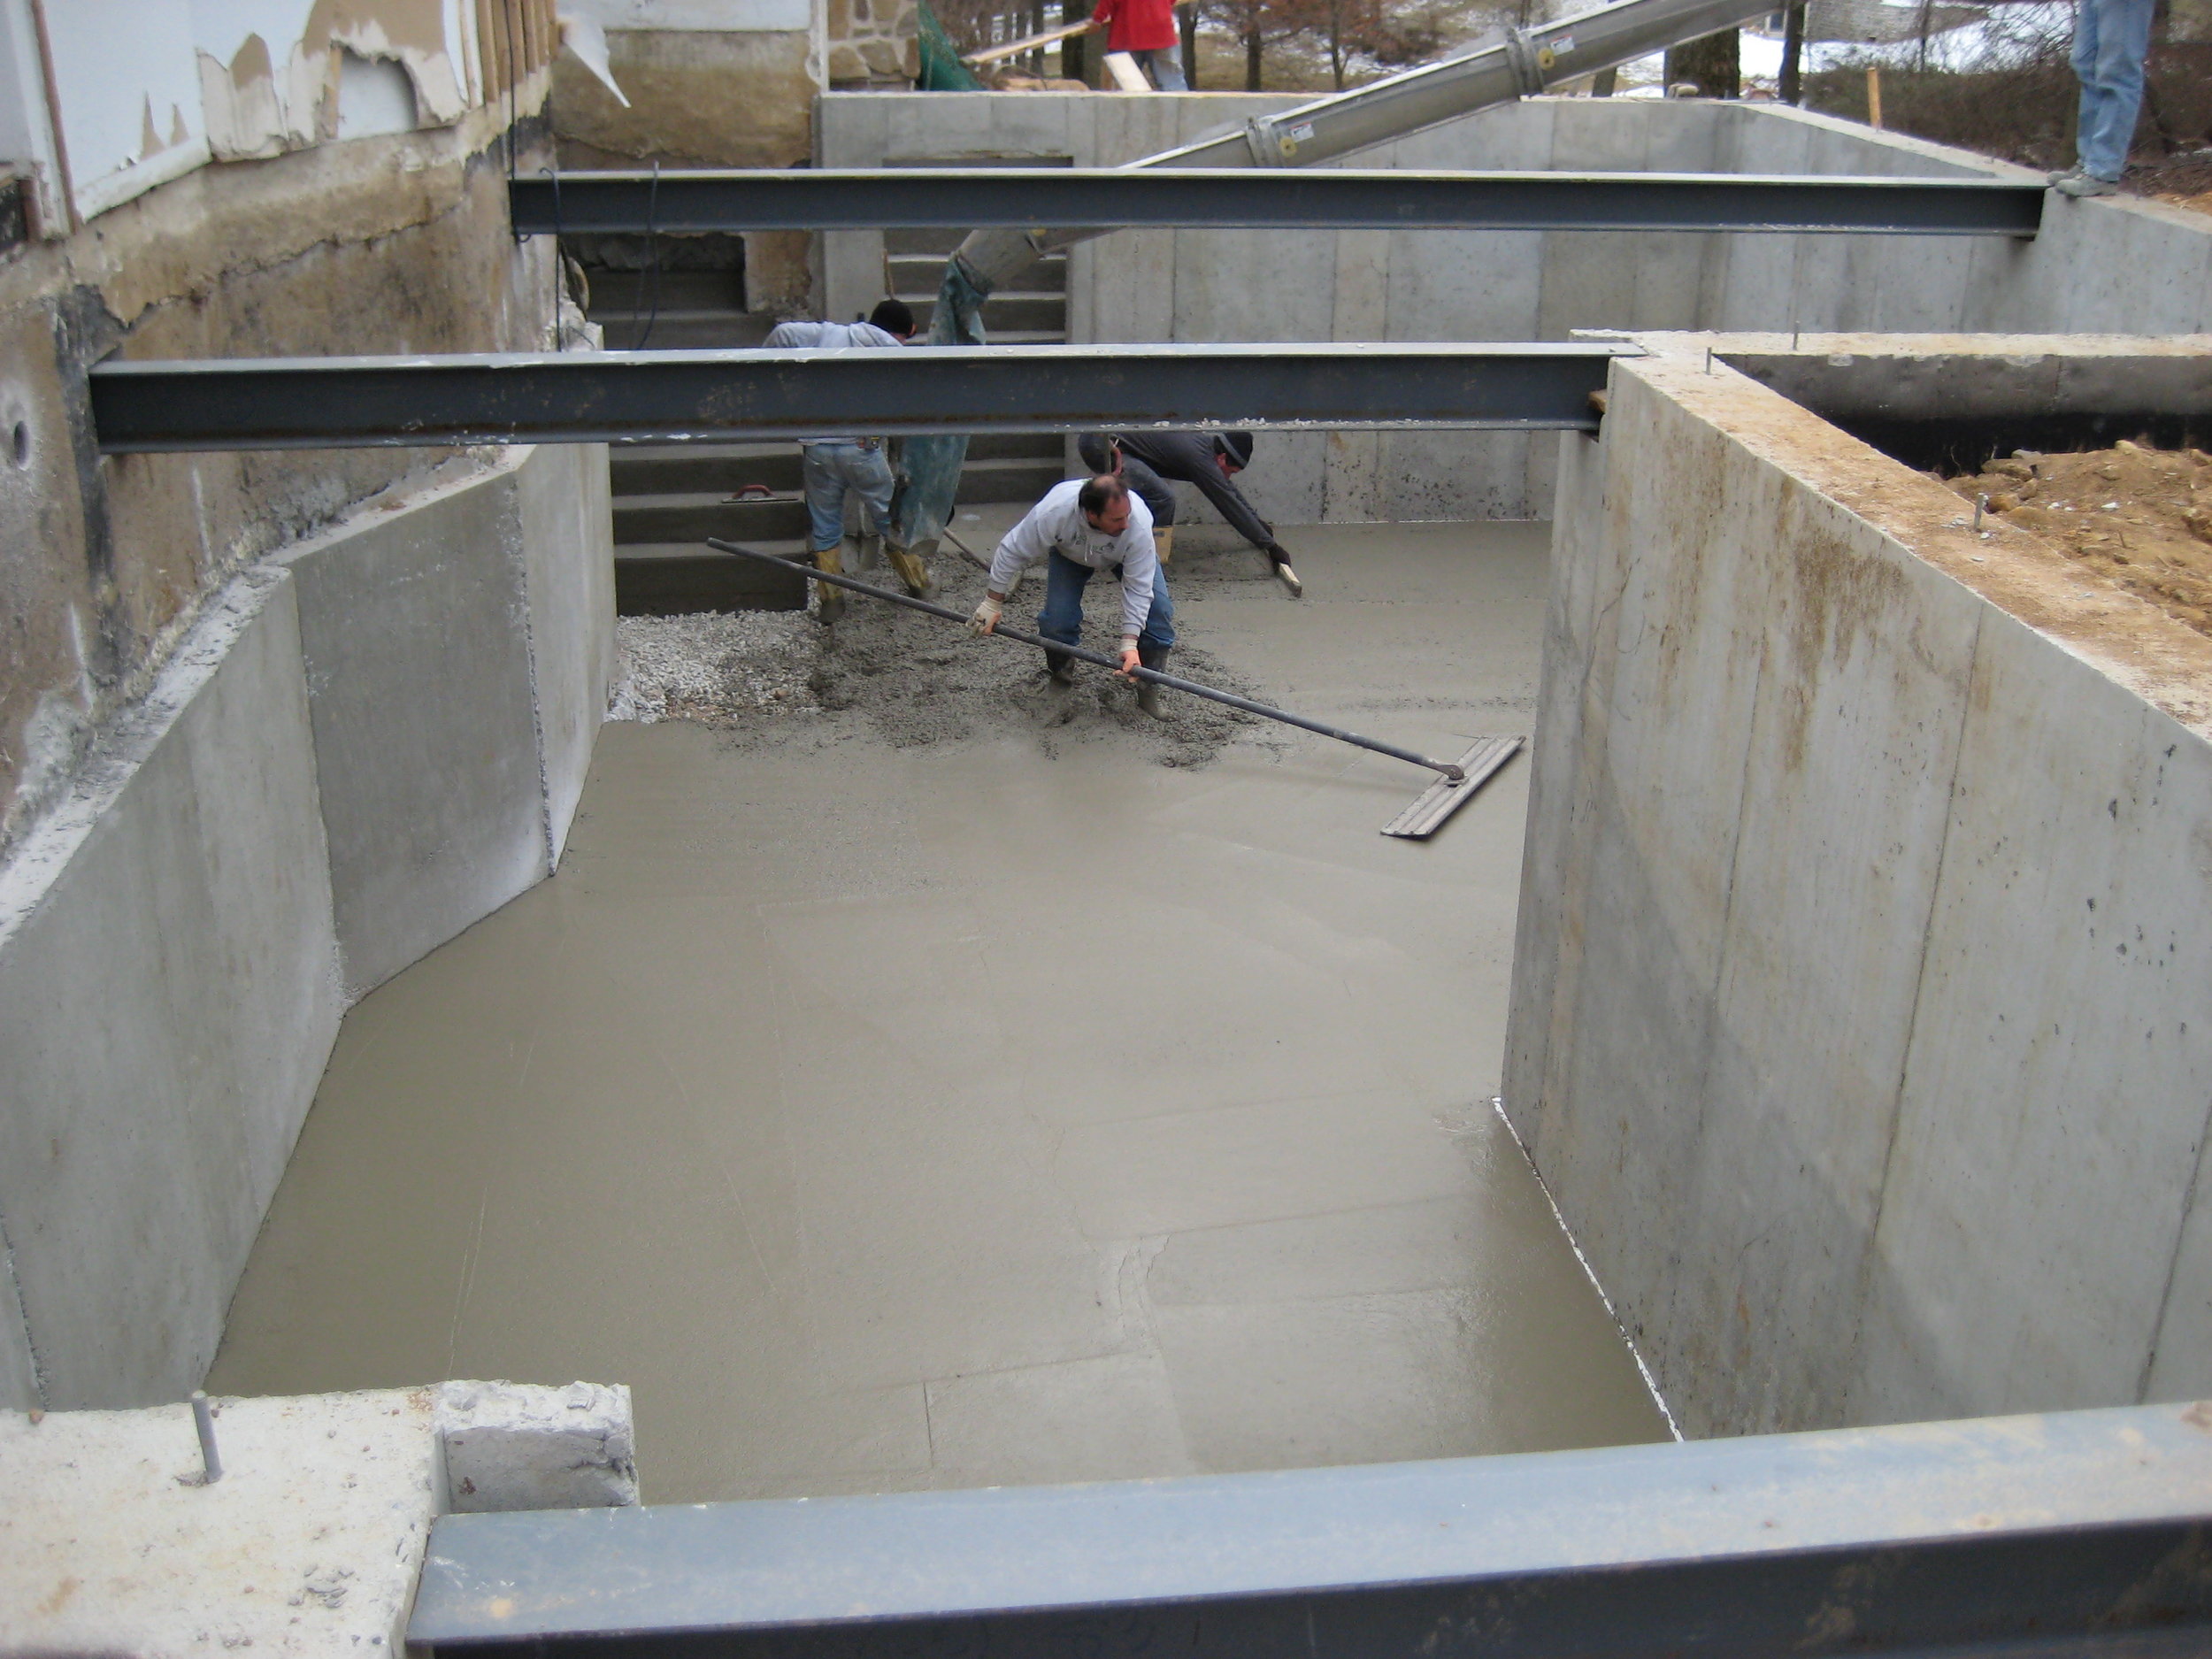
[(715, 668)]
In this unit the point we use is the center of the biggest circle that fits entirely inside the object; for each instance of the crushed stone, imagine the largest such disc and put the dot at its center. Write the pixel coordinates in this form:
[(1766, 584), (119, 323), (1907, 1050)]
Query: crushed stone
[(714, 667), (913, 680), (2132, 517)]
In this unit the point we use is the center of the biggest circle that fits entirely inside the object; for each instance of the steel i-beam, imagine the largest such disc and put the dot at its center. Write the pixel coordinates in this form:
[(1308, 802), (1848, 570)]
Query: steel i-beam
[(2072, 1534), (589, 397), (1115, 198)]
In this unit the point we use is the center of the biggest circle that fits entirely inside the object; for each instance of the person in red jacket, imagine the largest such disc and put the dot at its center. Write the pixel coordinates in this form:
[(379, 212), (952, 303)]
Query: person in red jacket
[(1147, 31)]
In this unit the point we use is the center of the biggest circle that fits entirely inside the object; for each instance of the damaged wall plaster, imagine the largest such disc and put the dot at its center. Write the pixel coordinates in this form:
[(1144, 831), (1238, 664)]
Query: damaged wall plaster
[(150, 89), (261, 101)]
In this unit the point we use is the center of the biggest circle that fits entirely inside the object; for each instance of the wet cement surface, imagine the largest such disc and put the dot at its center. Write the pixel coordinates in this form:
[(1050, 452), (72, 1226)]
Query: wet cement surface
[(994, 1111)]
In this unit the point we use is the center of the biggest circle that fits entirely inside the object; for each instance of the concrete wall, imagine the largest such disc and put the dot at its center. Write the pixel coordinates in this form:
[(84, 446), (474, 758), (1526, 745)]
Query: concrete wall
[(1857, 1023), (357, 751), (2101, 264)]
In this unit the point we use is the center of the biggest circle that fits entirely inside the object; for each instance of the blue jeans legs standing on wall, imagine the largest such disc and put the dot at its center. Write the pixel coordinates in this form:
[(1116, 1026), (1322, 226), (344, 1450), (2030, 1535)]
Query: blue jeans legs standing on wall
[(828, 470), (2111, 39), (1062, 619), (1165, 66)]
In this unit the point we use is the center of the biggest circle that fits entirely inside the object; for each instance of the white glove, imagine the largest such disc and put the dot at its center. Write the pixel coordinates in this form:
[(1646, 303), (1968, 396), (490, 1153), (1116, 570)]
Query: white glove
[(986, 616)]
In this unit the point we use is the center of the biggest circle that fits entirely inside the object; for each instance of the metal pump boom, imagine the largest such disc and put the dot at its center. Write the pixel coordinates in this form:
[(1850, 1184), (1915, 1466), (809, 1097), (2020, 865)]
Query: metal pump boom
[(1516, 64)]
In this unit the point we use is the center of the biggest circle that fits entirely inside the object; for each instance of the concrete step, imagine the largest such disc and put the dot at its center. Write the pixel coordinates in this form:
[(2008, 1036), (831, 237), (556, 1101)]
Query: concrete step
[(680, 290), (693, 516), (661, 580), (925, 274), (682, 330), (677, 469), (1038, 312), (642, 519)]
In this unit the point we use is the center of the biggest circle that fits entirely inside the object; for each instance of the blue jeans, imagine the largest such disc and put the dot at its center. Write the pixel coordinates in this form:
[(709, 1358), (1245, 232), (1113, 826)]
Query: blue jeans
[(1165, 66), (1062, 619), (2111, 39), (828, 471)]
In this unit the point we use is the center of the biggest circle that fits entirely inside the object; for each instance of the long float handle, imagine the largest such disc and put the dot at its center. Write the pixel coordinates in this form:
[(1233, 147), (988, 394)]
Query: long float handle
[(1171, 681)]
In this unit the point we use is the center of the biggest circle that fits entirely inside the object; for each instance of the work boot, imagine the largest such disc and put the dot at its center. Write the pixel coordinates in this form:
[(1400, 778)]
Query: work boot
[(1061, 667), (829, 601), (912, 570), (1153, 657), (2087, 184), (1163, 540)]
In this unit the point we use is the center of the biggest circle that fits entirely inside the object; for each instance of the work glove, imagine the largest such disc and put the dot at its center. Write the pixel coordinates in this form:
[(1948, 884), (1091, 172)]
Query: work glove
[(986, 616), (1130, 659)]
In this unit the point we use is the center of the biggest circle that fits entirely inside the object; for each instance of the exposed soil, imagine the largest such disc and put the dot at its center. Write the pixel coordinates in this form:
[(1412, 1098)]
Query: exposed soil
[(916, 680), (2136, 518)]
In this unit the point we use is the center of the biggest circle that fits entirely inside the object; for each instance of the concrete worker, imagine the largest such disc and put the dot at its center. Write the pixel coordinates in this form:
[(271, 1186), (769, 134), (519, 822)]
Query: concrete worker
[(830, 467), (1082, 527), (1209, 460), (2111, 39), (1147, 30), (1102, 456)]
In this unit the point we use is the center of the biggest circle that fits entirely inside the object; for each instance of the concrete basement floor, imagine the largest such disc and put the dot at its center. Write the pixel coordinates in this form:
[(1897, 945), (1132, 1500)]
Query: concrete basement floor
[(954, 1116)]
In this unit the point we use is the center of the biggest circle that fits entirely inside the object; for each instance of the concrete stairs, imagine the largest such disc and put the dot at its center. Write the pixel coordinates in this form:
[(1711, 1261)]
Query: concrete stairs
[(669, 498)]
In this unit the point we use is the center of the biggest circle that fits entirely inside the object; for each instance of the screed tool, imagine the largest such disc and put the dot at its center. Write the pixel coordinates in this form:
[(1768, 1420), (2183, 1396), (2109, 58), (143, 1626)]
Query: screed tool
[(1456, 782)]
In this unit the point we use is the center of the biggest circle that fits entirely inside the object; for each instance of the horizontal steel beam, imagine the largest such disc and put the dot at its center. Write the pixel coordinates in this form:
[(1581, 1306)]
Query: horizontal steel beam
[(1271, 198), (633, 397), (2074, 1532)]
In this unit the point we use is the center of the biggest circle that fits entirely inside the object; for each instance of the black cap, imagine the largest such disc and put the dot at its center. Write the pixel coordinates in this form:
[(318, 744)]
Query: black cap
[(1238, 446)]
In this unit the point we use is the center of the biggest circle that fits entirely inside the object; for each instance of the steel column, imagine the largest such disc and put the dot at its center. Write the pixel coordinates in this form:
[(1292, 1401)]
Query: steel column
[(588, 397), (1116, 198), (2073, 1533)]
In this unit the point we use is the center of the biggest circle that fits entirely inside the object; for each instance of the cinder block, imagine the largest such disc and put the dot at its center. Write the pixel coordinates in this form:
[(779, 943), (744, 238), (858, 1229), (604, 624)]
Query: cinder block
[(517, 1446)]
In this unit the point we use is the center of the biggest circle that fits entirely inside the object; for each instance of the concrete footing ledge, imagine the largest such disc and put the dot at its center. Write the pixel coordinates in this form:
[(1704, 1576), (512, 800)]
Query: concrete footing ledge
[(310, 1539)]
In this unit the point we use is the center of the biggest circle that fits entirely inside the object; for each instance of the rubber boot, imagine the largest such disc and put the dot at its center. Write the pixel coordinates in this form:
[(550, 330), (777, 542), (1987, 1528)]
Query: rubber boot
[(912, 570), (830, 602), (1163, 540), (1061, 667), (1153, 657)]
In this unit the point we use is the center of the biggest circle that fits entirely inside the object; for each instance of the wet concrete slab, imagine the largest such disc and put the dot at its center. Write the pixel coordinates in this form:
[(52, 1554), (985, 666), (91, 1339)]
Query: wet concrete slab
[(952, 1115)]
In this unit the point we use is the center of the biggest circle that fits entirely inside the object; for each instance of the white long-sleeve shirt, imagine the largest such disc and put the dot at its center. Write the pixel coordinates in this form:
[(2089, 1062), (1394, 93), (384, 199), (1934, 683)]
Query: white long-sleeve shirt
[(1057, 524), (828, 337)]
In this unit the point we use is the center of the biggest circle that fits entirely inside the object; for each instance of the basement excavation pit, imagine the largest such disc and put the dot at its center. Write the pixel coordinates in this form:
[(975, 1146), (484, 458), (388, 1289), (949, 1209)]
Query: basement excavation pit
[(948, 1091)]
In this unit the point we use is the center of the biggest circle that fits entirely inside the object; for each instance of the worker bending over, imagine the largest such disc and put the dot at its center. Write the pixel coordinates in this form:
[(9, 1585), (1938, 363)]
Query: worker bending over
[(1209, 460), (829, 467), (1079, 528)]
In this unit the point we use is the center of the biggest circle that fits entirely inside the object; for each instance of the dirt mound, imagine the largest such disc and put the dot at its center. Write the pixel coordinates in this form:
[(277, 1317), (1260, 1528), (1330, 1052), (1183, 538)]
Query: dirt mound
[(2136, 517)]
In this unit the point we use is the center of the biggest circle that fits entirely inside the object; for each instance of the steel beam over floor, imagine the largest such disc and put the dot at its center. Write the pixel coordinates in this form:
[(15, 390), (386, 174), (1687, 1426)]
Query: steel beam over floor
[(2072, 1532), (1115, 197), (614, 396)]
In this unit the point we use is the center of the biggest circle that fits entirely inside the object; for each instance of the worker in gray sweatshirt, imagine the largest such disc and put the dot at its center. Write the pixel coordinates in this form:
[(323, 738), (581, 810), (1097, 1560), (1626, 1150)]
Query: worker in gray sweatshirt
[(1081, 527), (1207, 459), (829, 468)]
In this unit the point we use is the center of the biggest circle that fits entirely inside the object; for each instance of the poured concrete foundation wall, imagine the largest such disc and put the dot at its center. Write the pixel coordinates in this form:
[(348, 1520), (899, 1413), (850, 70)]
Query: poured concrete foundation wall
[(2098, 266), (359, 751), (1858, 1014)]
